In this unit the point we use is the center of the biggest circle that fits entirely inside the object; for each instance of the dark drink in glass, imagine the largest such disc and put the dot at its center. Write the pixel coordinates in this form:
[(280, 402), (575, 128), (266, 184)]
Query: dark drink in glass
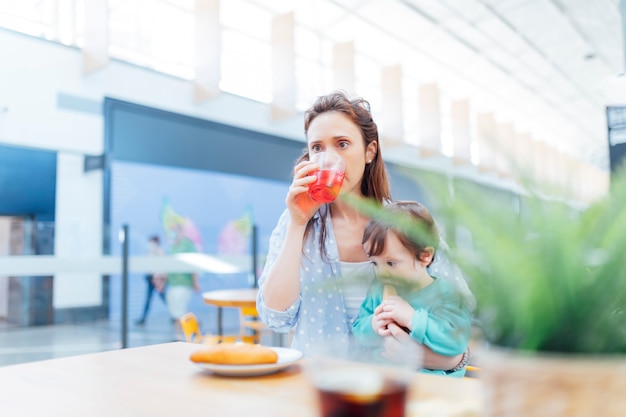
[(359, 390), (390, 401)]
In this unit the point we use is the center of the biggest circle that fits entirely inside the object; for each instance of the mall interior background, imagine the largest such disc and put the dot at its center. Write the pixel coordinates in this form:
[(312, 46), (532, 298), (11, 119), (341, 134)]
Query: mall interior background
[(94, 137)]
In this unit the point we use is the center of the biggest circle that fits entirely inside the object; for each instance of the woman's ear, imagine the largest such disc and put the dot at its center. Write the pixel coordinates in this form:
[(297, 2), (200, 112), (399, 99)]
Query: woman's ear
[(427, 255), (370, 152)]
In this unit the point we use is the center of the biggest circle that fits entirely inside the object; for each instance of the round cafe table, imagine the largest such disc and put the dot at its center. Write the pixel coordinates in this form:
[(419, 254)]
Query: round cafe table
[(238, 298)]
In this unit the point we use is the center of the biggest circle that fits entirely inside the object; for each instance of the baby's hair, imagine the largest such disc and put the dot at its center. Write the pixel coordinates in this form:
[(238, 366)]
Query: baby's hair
[(412, 213)]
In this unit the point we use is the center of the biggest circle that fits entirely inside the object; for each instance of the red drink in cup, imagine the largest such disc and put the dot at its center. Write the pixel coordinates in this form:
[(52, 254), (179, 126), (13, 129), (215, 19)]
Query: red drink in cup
[(330, 176), (326, 188)]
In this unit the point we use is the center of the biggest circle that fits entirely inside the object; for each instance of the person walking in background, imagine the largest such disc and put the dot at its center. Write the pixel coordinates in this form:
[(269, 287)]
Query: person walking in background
[(429, 309), (155, 281), (180, 285), (182, 237)]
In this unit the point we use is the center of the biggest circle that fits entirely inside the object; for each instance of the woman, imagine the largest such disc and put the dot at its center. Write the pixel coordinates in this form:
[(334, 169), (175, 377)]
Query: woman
[(315, 247)]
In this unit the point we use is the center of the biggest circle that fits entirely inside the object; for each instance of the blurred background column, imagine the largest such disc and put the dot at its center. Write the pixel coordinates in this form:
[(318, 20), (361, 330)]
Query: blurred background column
[(77, 235), (540, 156), (485, 135), (504, 149), (523, 163), (95, 52), (430, 120), (576, 187), (596, 183), (343, 67), (461, 138), (562, 170), (283, 104), (543, 156), (207, 51), (391, 125), (572, 179), (551, 167)]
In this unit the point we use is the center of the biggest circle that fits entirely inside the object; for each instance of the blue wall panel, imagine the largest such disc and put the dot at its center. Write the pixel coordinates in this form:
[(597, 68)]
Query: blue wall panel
[(27, 182)]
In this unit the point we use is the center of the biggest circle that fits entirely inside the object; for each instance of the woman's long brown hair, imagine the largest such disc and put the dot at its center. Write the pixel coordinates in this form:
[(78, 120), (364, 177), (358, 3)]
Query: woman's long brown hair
[(374, 184)]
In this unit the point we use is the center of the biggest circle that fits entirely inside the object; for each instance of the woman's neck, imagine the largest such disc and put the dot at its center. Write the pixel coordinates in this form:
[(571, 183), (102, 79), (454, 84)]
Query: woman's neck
[(348, 227), (345, 212)]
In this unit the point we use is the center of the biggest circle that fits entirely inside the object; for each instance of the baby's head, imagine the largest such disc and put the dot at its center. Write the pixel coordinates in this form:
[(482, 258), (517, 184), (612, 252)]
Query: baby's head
[(422, 242)]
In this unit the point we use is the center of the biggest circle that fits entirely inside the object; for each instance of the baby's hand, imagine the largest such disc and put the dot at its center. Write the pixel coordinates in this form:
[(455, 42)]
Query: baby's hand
[(379, 324), (396, 309)]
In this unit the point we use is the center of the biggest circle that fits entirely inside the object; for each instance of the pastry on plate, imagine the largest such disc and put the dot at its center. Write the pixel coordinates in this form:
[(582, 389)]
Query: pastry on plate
[(235, 354)]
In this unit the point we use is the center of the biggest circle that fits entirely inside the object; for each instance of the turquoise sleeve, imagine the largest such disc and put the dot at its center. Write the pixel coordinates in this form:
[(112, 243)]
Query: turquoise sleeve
[(362, 328), (445, 329)]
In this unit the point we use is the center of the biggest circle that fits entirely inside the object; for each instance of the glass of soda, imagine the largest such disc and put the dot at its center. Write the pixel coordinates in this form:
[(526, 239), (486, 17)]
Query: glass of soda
[(362, 384), (329, 176)]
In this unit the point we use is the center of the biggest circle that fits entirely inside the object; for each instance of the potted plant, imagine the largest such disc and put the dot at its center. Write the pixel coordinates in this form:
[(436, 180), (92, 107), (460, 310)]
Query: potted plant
[(550, 285)]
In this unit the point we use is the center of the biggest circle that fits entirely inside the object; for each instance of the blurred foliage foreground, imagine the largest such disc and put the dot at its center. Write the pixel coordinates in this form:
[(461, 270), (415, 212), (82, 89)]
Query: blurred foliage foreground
[(547, 276)]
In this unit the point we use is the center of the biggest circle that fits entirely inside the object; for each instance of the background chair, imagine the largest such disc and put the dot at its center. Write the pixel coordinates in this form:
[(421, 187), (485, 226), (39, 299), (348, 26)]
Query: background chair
[(250, 321), (191, 329)]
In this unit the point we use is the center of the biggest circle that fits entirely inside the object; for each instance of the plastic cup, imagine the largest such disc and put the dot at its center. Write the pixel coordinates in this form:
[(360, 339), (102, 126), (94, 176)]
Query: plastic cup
[(330, 176)]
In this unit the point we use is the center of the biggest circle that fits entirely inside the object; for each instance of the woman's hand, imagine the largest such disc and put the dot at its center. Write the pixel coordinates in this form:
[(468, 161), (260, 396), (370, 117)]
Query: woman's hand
[(393, 346), (300, 205)]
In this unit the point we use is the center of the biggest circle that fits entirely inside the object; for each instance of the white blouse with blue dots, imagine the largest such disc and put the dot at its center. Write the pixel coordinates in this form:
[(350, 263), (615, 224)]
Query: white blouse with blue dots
[(320, 314)]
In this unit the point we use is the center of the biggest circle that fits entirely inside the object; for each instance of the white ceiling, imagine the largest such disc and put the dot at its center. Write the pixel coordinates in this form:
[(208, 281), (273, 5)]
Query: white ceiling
[(550, 66)]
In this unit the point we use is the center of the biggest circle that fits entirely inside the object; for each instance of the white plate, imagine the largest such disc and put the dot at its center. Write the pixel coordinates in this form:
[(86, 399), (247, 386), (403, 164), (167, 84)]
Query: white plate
[(286, 357)]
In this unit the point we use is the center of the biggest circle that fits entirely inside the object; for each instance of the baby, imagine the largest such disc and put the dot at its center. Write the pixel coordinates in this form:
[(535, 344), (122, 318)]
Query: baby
[(430, 309)]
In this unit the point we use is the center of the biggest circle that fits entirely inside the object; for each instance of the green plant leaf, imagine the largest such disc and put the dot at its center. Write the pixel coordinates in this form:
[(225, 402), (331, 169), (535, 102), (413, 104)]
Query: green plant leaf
[(547, 276)]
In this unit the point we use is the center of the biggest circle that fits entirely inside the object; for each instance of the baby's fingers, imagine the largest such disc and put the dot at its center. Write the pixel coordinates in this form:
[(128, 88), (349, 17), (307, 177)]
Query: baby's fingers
[(383, 331)]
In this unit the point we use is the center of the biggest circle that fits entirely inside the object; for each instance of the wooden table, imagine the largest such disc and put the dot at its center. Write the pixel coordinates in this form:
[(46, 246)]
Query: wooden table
[(239, 297), (159, 380)]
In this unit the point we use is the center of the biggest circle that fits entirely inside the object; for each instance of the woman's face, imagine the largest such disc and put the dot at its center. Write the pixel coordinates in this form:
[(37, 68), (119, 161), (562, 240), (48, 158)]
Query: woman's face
[(335, 132)]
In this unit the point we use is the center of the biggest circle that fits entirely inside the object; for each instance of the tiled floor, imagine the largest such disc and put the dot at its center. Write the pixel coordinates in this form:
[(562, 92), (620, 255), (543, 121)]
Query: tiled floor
[(27, 344)]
